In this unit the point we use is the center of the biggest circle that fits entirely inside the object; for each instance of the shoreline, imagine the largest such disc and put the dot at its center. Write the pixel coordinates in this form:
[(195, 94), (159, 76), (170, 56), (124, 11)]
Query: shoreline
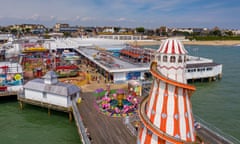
[(210, 43)]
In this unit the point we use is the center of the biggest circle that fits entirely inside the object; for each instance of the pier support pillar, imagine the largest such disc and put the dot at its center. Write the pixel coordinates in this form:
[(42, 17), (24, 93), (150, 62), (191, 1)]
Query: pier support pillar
[(49, 112), (209, 79), (193, 80), (70, 116), (219, 76), (21, 105)]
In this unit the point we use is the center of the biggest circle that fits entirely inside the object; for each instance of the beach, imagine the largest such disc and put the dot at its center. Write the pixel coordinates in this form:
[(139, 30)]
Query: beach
[(213, 43)]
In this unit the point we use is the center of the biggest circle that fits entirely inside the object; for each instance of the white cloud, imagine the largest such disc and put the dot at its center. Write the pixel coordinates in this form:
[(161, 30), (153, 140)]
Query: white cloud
[(121, 19), (149, 13), (87, 18), (34, 17)]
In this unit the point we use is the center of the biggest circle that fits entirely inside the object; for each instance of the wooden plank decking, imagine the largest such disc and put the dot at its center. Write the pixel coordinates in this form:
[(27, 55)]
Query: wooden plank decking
[(103, 129)]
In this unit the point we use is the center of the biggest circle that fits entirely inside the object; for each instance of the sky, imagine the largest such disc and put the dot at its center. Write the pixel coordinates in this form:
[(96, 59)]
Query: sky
[(123, 13)]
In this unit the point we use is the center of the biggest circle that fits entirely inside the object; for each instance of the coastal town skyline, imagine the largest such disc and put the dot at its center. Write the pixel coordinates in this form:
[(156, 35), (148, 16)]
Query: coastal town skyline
[(131, 13)]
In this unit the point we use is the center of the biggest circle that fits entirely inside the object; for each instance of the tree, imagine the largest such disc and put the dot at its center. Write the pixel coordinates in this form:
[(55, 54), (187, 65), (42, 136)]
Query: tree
[(14, 31), (116, 29), (4, 29), (229, 33), (66, 34), (27, 30), (140, 29), (216, 32)]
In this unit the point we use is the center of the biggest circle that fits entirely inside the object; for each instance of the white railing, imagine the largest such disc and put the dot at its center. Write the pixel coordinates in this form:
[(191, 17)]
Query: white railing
[(127, 121), (79, 123)]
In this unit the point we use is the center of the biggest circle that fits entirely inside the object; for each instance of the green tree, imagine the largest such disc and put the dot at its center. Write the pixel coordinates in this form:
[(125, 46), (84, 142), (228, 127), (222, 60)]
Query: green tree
[(4, 29), (66, 34), (229, 33), (216, 32), (140, 29), (14, 31), (116, 29), (27, 30)]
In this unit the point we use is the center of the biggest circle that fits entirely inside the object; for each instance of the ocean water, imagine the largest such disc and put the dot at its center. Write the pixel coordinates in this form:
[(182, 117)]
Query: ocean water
[(32, 125), (218, 103)]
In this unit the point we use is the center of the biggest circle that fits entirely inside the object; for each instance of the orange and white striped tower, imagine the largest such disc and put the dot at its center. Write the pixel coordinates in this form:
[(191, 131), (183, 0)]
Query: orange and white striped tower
[(166, 113)]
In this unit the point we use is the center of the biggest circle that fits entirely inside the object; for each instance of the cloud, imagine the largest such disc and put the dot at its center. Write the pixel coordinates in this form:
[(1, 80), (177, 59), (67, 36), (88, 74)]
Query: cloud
[(87, 18), (148, 13), (34, 17), (121, 19)]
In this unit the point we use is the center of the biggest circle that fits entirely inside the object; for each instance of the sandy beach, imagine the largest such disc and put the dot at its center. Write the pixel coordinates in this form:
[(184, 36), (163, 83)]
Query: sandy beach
[(213, 43)]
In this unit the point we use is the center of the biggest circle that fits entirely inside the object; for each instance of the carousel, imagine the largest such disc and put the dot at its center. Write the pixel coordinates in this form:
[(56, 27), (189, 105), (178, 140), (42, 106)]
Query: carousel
[(116, 103)]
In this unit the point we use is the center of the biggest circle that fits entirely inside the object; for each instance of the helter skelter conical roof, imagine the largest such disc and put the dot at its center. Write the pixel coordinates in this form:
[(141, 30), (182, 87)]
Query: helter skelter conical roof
[(172, 46)]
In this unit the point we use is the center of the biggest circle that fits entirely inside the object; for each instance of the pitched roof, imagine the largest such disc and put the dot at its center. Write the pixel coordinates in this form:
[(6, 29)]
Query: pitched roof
[(59, 88)]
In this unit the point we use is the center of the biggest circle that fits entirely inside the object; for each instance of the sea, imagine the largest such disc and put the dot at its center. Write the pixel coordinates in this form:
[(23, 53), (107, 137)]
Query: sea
[(33, 125), (217, 103)]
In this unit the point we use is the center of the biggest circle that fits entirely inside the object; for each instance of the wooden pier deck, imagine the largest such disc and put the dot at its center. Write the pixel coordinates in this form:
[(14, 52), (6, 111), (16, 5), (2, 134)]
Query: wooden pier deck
[(103, 129)]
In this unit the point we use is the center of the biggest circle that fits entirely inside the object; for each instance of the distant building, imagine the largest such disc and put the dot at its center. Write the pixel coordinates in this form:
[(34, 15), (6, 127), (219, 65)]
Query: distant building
[(68, 29), (108, 30), (121, 37), (236, 32), (5, 37), (28, 26), (62, 28), (58, 26), (189, 30)]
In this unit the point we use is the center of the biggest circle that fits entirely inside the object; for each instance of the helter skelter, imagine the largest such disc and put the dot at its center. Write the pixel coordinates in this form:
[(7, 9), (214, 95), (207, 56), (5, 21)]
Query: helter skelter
[(166, 114)]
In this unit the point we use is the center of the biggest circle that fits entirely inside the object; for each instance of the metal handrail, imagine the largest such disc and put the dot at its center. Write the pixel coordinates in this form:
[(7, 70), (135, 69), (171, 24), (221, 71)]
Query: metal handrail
[(79, 122)]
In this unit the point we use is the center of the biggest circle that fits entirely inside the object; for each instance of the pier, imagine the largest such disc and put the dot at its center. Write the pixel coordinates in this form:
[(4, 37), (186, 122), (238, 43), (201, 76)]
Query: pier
[(102, 128), (80, 126)]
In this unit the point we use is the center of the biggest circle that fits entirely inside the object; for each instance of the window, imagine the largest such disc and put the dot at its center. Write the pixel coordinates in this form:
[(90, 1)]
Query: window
[(159, 58), (172, 59), (180, 59), (191, 70), (209, 69), (185, 58), (201, 69), (164, 58)]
